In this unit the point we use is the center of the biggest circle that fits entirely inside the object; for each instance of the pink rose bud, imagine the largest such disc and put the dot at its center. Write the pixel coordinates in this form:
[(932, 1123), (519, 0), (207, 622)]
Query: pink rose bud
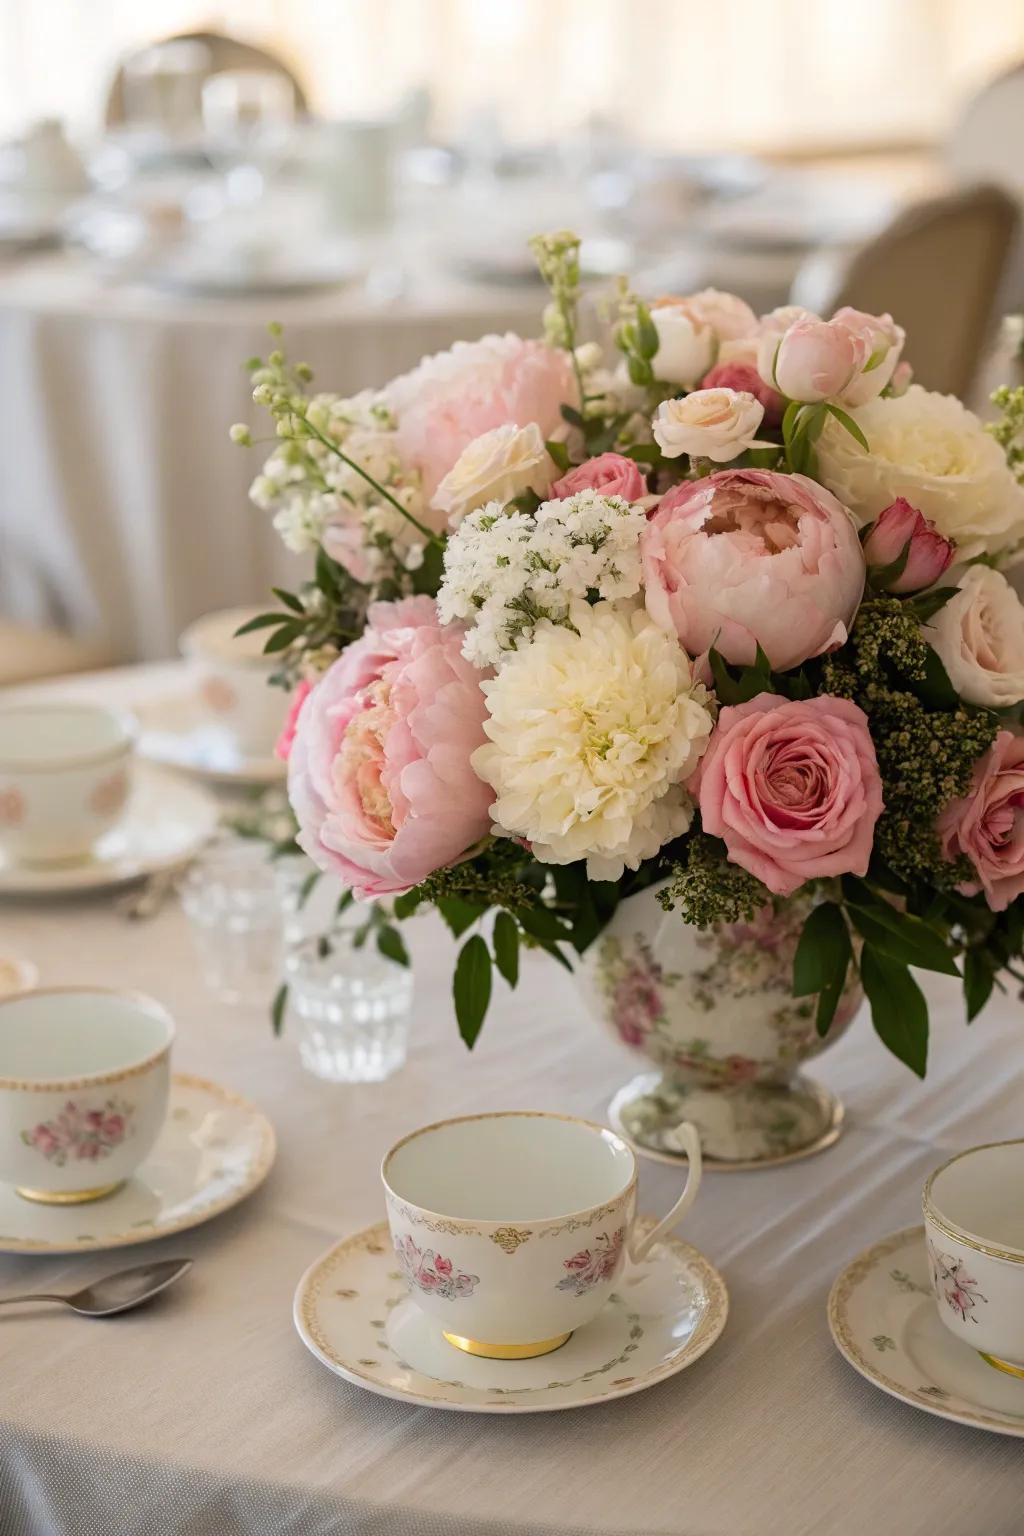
[(813, 360), (902, 527), (902, 378), (610, 474)]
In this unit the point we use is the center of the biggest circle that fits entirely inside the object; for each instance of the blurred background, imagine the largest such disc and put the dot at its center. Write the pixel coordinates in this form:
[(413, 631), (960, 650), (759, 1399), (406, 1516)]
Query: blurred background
[(173, 175)]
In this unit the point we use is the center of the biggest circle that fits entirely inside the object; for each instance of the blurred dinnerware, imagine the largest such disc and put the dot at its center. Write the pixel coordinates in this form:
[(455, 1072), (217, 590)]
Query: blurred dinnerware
[(178, 732), (166, 822), (64, 779), (350, 1314), (348, 1006), (84, 1076), (884, 1321), (248, 115), (116, 1293), (232, 677), (974, 1225), (232, 899), (354, 161), (512, 1228), (17, 975), (215, 1148)]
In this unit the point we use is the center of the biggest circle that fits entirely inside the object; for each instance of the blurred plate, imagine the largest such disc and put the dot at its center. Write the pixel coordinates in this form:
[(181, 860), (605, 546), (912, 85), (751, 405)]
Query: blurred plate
[(176, 732)]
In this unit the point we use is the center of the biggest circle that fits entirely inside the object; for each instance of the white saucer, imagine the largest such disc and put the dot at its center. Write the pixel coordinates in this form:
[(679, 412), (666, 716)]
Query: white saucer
[(353, 1313), (176, 733), (166, 823), (884, 1319), (215, 1148)]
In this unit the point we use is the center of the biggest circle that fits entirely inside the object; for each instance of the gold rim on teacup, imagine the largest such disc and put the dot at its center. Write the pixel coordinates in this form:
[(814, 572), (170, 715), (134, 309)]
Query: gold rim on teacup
[(91, 1079), (960, 1234), (125, 743)]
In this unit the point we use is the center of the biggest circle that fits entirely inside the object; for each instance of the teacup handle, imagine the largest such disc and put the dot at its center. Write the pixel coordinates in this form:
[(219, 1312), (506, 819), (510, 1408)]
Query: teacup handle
[(689, 1142)]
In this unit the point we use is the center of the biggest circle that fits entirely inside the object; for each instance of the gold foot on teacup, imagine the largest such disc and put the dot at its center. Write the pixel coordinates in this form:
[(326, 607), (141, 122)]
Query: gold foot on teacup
[(507, 1351), (68, 1196), (1002, 1365)]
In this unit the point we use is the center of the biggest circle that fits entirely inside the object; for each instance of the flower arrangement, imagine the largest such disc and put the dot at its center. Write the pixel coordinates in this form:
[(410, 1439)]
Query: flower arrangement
[(727, 616)]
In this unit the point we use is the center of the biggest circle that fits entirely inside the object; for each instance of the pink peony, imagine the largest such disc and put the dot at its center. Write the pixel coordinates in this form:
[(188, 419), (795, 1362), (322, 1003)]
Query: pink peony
[(747, 556), (793, 788), (283, 745), (453, 397), (928, 555), (988, 824), (609, 473), (379, 774), (745, 377)]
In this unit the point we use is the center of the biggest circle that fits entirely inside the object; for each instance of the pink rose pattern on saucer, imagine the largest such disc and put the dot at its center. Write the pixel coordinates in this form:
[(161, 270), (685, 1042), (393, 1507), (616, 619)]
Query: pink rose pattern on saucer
[(110, 794), (432, 1272), (78, 1134), (592, 1265), (954, 1284), (12, 808)]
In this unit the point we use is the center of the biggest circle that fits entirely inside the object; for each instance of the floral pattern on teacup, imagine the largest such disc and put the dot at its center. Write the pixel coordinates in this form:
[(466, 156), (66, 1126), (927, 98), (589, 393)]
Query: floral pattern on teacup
[(432, 1272), (218, 695), (592, 1265), (110, 794), (12, 807), (81, 1135), (955, 1285)]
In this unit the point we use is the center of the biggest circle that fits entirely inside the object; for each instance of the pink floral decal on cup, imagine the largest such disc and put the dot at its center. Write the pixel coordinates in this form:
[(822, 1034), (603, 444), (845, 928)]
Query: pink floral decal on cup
[(78, 1134), (218, 695), (954, 1284), (431, 1272), (12, 808), (109, 794), (592, 1265)]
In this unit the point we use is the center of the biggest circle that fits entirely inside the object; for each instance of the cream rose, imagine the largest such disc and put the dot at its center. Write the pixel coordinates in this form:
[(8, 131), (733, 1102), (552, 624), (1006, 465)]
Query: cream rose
[(979, 636), (714, 424), (931, 450), (498, 466), (729, 316), (686, 343)]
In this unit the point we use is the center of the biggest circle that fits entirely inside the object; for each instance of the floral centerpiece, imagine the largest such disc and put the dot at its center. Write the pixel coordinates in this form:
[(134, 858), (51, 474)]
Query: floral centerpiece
[(724, 621)]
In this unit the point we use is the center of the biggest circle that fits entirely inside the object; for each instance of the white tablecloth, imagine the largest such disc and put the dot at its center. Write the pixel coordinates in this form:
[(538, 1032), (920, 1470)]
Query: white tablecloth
[(208, 1417)]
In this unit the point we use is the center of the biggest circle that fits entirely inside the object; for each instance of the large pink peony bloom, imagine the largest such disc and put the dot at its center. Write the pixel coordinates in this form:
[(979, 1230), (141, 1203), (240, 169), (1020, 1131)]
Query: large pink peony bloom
[(793, 788), (453, 397), (988, 824), (748, 556), (379, 773)]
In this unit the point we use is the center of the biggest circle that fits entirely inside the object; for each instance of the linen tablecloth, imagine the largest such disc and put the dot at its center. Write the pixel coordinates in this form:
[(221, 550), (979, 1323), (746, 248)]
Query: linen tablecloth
[(207, 1415)]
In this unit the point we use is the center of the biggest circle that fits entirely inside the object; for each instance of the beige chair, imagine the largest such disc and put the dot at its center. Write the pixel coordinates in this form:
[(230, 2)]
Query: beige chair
[(985, 144), (941, 269), (221, 53), (28, 654)]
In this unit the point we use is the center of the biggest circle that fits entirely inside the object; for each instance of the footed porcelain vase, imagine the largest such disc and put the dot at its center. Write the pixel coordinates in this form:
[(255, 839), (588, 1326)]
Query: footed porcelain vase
[(713, 1011)]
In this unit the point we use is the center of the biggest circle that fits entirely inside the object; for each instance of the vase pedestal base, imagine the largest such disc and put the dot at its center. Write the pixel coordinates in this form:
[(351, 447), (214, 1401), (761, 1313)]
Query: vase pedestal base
[(741, 1125)]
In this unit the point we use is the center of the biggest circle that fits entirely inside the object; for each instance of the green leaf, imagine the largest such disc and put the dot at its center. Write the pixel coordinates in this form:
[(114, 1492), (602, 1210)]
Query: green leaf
[(541, 923), (935, 688), (471, 988), (343, 902), (426, 578), (572, 416), (290, 630), (392, 945), (289, 599), (560, 454), (406, 904), (851, 426), (261, 621), (789, 417), (306, 889), (903, 938), (822, 959), (643, 453), (898, 1009), (927, 604), (979, 978), (506, 947), (646, 333), (738, 684), (458, 914), (277, 1008)]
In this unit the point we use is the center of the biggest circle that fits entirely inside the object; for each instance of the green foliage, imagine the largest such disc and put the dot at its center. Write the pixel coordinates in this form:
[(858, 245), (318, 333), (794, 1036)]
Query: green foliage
[(822, 960), (471, 988), (898, 1009), (706, 888)]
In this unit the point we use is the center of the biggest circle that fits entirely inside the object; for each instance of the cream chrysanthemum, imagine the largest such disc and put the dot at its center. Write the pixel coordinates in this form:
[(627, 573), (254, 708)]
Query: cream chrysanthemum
[(593, 732)]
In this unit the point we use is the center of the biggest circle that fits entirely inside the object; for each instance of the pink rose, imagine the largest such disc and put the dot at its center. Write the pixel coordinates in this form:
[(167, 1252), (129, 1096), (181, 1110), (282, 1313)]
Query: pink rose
[(902, 378), (748, 556), (745, 378), (283, 745), (730, 317), (443, 1266), (882, 341), (928, 554), (812, 360), (610, 473), (453, 397), (988, 824), (793, 788), (379, 774)]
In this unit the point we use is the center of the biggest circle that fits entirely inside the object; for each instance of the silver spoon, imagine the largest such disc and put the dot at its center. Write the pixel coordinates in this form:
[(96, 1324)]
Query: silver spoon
[(119, 1292)]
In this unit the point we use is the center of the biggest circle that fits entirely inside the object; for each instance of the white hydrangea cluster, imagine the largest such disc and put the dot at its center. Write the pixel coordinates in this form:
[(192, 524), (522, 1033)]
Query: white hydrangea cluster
[(318, 498), (505, 571)]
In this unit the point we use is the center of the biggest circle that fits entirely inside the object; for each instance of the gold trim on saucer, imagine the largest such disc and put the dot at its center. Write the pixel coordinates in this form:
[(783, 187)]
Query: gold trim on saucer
[(67, 1196), (509, 1351), (1002, 1365)]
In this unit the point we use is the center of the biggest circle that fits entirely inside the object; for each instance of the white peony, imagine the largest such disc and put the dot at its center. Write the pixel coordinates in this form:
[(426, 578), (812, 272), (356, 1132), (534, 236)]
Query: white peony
[(714, 424), (498, 466), (593, 732), (979, 635), (686, 343), (934, 452)]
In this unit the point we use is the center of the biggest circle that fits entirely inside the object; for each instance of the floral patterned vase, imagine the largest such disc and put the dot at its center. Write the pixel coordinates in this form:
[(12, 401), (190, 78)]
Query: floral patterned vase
[(714, 1010)]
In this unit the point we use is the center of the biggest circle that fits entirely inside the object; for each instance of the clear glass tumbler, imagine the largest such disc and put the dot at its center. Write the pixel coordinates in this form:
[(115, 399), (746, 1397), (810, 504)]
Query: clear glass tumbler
[(232, 898), (348, 1007)]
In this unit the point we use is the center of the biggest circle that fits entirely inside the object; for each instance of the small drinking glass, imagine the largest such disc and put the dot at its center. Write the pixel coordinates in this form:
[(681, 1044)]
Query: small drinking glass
[(233, 901), (348, 1006)]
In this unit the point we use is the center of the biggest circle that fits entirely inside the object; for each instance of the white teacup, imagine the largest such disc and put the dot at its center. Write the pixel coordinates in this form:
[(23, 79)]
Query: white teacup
[(233, 679), (65, 778), (84, 1079), (512, 1228), (974, 1224)]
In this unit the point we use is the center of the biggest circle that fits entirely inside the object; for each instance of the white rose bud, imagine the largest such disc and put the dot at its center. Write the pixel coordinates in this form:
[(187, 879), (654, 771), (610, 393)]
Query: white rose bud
[(686, 344), (979, 636), (714, 424), (498, 466)]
